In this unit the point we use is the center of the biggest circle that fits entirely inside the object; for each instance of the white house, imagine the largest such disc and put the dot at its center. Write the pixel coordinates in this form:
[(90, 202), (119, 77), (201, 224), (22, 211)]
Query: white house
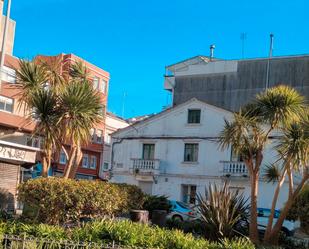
[(175, 153), (112, 124)]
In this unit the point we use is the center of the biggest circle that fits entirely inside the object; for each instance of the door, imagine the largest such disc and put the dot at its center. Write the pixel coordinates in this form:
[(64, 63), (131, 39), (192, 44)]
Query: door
[(146, 187)]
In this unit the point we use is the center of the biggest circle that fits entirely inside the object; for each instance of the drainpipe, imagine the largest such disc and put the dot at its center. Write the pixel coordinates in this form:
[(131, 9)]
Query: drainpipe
[(112, 156), (5, 31)]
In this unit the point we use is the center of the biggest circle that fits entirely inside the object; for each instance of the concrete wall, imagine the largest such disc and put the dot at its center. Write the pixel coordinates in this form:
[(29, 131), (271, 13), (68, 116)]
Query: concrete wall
[(240, 80)]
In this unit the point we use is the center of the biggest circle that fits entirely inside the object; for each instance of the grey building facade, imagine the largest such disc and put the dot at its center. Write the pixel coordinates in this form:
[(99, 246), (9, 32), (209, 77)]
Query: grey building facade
[(232, 83)]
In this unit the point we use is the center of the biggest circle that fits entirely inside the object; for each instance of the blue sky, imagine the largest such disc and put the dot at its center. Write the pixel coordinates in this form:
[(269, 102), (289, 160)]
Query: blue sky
[(135, 40)]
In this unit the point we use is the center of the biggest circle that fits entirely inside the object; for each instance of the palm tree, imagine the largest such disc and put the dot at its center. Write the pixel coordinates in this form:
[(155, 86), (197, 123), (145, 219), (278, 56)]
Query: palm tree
[(250, 129), (81, 110), (293, 147), (46, 114), (30, 77)]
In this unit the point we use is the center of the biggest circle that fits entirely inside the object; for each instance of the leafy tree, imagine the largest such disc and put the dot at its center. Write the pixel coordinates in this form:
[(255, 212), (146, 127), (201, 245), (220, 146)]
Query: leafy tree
[(249, 131)]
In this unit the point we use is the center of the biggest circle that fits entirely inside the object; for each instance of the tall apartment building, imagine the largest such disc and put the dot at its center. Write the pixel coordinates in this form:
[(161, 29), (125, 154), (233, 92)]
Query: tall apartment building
[(230, 84), (93, 151)]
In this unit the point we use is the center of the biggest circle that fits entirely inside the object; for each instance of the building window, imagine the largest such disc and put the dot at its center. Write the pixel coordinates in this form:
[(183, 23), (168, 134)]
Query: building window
[(107, 139), (85, 161), (6, 104), (8, 74), (84, 177), (96, 82), (92, 134), (93, 162), (191, 153), (33, 142), (105, 166), (99, 135), (148, 151), (194, 116), (62, 158), (103, 86), (235, 157), (189, 194)]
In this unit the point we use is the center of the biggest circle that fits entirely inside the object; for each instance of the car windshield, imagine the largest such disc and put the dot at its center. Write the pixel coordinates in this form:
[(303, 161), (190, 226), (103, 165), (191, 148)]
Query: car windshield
[(182, 204)]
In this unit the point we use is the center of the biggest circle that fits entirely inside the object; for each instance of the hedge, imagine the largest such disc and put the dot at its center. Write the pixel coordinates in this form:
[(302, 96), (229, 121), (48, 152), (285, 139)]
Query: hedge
[(57, 200), (123, 233)]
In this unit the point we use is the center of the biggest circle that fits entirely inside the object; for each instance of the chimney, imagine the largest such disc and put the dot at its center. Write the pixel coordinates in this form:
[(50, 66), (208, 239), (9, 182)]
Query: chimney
[(212, 49)]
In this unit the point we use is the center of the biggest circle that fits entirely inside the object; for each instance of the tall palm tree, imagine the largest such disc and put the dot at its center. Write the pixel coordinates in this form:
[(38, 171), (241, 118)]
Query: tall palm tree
[(250, 129), (293, 147), (81, 111), (45, 112)]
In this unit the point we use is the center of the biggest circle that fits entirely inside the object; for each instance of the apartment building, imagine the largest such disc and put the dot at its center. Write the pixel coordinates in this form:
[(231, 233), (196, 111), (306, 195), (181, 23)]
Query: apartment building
[(175, 153), (112, 124), (93, 151)]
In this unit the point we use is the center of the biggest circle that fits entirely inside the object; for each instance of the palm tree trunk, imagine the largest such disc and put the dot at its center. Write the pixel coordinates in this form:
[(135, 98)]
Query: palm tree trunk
[(273, 206), (274, 235), (78, 158), (69, 165), (44, 166), (253, 229)]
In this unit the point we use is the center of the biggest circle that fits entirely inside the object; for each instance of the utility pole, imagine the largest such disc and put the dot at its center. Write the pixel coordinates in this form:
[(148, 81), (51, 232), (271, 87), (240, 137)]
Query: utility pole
[(269, 58), (5, 31), (123, 103)]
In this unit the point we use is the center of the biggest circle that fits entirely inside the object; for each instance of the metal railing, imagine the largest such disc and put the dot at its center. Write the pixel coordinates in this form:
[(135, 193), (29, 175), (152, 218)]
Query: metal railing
[(16, 242), (234, 168)]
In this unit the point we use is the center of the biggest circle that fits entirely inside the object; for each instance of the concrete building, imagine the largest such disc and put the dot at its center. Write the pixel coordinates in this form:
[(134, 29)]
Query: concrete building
[(93, 151), (232, 83), (174, 153), (112, 124)]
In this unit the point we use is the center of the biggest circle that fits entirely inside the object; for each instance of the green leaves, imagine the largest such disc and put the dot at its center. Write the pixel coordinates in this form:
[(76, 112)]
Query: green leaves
[(222, 211)]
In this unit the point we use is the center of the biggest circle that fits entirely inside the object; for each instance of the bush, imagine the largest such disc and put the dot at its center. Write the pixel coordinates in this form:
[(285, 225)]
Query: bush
[(156, 202), (124, 233), (300, 209), (223, 212), (57, 200)]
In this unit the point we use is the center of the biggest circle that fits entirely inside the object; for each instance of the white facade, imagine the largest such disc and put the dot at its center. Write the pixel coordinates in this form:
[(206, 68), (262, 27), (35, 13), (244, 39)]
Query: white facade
[(112, 124), (155, 154)]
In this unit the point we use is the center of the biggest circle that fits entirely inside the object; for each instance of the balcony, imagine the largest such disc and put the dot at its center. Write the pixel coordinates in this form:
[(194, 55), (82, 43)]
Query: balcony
[(146, 167), (234, 169)]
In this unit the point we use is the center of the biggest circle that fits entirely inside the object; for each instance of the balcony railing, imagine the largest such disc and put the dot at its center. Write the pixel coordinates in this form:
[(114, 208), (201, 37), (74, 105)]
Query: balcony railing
[(146, 166), (232, 168)]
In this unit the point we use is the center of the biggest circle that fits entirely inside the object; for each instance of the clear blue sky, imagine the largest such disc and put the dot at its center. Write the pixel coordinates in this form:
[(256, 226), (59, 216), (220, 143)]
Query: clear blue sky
[(135, 40)]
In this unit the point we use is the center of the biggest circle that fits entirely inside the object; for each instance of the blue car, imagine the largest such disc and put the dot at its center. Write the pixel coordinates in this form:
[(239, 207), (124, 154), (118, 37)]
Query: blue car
[(180, 211)]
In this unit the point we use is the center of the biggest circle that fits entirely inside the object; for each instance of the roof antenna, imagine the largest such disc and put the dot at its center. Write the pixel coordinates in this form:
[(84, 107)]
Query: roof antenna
[(269, 58), (243, 37), (212, 50)]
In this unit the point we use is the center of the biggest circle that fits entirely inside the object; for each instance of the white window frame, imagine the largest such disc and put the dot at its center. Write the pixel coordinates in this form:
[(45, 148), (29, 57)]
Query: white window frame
[(93, 159), (85, 165), (62, 157), (101, 137), (7, 101), (97, 84), (103, 86), (8, 75)]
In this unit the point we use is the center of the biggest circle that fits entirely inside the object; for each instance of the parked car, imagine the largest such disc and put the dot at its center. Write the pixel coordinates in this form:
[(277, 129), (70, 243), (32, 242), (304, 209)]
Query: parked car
[(288, 227), (180, 211)]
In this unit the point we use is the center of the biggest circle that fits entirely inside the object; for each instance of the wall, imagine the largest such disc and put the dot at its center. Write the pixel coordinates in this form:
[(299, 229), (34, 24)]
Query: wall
[(231, 84)]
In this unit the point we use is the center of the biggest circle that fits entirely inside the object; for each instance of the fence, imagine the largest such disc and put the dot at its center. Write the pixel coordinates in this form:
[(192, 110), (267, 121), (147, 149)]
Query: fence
[(15, 242)]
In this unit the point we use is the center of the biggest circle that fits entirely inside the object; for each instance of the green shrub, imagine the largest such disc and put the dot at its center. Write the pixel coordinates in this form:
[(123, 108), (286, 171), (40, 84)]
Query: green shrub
[(156, 202), (223, 212), (57, 200), (124, 233), (300, 209)]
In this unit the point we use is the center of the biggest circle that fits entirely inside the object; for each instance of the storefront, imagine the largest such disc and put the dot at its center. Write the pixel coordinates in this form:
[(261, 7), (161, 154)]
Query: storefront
[(14, 160)]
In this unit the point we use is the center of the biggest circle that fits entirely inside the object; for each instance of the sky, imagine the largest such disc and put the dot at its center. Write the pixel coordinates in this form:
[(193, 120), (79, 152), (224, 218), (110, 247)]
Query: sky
[(135, 40)]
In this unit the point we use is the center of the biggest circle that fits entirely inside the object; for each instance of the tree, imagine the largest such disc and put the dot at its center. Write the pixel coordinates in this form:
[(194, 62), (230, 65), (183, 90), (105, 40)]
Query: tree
[(293, 147), (81, 110), (249, 131)]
